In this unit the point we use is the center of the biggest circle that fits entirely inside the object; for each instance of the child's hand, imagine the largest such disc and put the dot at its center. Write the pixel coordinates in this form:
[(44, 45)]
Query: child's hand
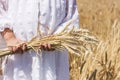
[(16, 45), (46, 46), (13, 44)]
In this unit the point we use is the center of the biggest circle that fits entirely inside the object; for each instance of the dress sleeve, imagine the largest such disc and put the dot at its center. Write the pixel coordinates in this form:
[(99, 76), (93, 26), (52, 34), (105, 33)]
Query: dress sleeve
[(72, 16), (5, 20)]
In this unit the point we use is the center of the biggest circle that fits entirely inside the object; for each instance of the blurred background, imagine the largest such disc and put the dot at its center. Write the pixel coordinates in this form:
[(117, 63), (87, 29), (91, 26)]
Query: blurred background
[(98, 15), (102, 19)]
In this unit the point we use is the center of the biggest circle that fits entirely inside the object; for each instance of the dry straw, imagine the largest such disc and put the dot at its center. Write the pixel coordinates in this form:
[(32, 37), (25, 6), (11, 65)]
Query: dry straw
[(76, 41)]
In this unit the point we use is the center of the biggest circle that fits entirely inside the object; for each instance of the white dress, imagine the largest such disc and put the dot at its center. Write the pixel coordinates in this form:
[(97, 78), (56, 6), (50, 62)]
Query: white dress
[(22, 16)]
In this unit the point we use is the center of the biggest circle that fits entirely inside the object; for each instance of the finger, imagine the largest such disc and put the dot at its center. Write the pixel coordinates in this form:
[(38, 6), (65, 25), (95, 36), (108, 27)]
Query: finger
[(10, 48), (45, 46), (48, 46), (14, 48), (19, 49), (24, 47), (40, 46)]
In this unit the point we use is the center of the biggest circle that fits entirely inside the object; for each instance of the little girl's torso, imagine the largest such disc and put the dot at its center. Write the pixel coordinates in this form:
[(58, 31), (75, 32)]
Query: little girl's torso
[(27, 13)]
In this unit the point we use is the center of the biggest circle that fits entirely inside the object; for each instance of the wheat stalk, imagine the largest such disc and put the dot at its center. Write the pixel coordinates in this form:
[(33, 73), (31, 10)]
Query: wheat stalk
[(74, 41)]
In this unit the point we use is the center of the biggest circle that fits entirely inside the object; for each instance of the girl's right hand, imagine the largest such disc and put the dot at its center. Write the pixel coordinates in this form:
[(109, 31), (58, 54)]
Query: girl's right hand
[(15, 45), (12, 42)]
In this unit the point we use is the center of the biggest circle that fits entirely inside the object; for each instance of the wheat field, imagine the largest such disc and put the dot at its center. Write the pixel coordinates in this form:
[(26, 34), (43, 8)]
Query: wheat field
[(102, 18)]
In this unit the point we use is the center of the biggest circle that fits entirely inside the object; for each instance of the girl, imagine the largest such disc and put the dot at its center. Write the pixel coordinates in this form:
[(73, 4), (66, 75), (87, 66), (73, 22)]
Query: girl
[(19, 22)]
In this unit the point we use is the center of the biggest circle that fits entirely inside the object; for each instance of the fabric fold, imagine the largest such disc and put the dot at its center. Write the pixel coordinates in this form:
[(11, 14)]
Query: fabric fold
[(5, 20)]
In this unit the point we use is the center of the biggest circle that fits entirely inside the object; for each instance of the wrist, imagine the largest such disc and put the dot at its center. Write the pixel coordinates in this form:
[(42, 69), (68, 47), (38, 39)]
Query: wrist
[(8, 35)]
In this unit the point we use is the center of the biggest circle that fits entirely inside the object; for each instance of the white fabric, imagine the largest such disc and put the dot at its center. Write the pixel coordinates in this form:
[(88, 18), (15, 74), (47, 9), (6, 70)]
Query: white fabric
[(22, 16)]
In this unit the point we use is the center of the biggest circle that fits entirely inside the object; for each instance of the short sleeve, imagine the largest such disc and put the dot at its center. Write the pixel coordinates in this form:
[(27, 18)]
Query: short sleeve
[(72, 16), (5, 20)]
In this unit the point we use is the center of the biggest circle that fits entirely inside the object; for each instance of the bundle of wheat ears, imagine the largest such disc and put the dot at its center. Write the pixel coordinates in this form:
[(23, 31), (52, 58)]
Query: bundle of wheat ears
[(76, 41)]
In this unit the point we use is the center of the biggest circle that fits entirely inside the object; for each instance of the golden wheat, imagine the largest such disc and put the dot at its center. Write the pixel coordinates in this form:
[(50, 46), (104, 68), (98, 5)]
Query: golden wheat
[(76, 41), (102, 18)]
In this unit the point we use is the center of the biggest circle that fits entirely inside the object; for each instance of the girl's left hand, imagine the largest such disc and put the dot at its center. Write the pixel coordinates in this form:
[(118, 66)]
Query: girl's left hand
[(46, 46)]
